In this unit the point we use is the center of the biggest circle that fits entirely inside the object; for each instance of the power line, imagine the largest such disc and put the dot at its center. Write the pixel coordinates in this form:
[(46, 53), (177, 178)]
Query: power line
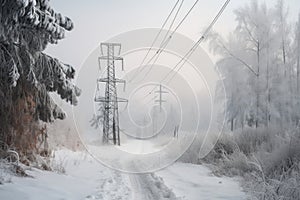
[(181, 22), (200, 40), (164, 44), (184, 59), (156, 38), (172, 23), (152, 99)]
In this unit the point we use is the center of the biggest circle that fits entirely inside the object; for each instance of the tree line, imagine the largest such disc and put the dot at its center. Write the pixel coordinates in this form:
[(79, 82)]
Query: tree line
[(260, 64)]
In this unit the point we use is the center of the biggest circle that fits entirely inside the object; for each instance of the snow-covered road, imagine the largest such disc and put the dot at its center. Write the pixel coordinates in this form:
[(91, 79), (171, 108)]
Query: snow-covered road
[(149, 187), (86, 179)]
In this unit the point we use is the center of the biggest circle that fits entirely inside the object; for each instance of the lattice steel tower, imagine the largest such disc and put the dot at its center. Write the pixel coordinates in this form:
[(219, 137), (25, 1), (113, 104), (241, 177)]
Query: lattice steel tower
[(110, 53)]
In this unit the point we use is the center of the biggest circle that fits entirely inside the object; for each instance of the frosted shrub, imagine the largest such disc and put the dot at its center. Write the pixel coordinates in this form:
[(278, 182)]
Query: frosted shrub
[(283, 157), (237, 164), (58, 166), (269, 161), (5, 175), (249, 140), (224, 147)]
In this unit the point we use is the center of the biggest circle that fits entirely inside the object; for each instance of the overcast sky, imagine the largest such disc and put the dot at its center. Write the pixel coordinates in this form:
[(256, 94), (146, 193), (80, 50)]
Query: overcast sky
[(98, 20)]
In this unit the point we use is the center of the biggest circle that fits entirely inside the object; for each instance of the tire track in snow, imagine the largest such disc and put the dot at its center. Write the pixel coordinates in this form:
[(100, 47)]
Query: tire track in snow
[(150, 187), (113, 186)]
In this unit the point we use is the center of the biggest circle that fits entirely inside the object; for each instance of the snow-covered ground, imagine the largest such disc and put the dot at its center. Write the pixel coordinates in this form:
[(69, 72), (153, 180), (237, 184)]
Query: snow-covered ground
[(86, 179), (138, 147), (196, 182)]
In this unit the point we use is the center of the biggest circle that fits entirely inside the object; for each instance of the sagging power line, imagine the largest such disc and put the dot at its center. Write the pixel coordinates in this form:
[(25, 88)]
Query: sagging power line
[(166, 41), (156, 38), (185, 58)]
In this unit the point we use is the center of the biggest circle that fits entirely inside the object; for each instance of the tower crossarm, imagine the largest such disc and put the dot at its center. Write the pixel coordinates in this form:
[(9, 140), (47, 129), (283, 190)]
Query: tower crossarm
[(109, 55)]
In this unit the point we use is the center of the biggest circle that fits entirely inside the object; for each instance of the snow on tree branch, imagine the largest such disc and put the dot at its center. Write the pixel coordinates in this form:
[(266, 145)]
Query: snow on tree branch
[(26, 27)]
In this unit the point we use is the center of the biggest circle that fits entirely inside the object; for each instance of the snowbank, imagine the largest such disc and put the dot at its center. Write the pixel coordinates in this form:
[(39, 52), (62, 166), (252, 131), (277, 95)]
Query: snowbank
[(194, 182), (84, 178)]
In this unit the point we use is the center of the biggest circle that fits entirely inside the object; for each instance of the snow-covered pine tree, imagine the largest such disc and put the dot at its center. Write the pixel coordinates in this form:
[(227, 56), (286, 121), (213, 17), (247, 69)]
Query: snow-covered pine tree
[(27, 75)]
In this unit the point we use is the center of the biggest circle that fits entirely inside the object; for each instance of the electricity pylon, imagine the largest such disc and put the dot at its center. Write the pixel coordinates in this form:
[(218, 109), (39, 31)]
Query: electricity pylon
[(110, 53), (160, 100)]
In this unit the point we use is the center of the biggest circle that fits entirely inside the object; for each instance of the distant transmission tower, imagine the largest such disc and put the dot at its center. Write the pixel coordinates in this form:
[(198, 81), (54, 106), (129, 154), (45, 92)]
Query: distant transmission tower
[(160, 100), (110, 53)]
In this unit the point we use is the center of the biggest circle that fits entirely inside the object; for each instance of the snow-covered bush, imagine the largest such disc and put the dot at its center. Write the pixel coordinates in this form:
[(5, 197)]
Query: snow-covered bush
[(249, 140), (5, 175), (58, 165), (237, 164), (270, 162)]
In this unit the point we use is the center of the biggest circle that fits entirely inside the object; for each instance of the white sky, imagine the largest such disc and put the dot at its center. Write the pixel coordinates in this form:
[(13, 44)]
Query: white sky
[(98, 20)]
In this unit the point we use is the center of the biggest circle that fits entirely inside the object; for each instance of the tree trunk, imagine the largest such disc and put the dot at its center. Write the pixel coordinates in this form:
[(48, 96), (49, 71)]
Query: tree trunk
[(257, 85), (231, 124)]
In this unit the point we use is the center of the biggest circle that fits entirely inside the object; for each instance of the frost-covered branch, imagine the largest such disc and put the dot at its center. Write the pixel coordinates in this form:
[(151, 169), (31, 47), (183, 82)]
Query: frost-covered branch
[(27, 74)]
